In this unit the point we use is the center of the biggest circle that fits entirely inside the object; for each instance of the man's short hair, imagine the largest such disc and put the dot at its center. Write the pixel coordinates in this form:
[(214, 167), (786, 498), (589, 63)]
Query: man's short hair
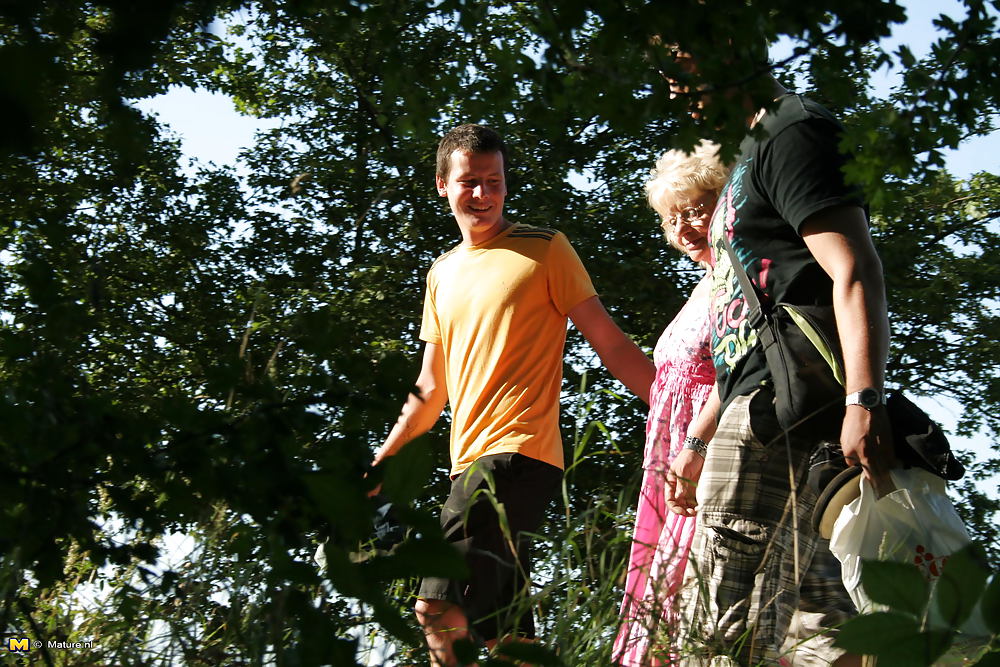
[(468, 138)]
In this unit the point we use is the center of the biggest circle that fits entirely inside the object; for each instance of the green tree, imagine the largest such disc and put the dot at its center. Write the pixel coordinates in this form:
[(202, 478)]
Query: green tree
[(210, 352)]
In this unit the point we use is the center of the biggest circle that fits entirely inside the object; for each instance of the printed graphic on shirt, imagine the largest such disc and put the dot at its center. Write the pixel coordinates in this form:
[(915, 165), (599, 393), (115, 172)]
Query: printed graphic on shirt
[(732, 335)]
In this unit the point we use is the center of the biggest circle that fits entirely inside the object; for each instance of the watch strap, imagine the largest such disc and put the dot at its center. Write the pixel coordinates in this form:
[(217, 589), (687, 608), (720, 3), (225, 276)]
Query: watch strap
[(855, 398)]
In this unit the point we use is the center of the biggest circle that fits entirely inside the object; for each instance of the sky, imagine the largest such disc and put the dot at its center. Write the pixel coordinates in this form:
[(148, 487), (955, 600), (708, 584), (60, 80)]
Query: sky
[(211, 130)]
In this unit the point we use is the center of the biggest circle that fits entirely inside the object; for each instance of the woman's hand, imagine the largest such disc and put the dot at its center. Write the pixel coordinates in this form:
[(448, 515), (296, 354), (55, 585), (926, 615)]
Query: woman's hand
[(682, 482)]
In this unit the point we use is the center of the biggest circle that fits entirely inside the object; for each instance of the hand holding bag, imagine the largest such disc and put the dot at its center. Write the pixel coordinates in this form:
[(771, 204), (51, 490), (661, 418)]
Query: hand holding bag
[(917, 441)]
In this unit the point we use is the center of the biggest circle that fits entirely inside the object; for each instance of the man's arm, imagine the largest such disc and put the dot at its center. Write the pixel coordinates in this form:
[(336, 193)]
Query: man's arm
[(619, 354), (422, 410), (839, 240)]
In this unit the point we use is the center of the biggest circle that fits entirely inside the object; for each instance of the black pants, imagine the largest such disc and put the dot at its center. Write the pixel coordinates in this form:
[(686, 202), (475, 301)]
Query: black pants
[(492, 504)]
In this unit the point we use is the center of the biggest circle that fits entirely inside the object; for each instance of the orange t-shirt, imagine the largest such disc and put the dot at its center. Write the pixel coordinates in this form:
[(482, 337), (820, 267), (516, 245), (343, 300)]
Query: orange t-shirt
[(498, 311)]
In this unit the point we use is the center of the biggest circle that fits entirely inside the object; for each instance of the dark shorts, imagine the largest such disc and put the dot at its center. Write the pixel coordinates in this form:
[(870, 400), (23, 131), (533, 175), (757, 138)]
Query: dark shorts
[(494, 598)]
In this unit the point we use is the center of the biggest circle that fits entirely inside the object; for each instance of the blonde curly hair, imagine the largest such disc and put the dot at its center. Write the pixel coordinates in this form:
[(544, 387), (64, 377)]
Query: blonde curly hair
[(679, 175)]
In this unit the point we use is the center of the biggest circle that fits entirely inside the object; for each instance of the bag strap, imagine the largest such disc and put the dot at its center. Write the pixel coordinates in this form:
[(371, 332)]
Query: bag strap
[(757, 313)]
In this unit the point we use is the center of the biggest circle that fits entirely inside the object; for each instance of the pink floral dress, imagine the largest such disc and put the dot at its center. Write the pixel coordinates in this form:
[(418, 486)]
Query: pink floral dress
[(684, 379)]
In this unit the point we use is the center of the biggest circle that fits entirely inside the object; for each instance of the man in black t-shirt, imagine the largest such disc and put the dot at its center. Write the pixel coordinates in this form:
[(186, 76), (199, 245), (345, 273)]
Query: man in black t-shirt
[(802, 235)]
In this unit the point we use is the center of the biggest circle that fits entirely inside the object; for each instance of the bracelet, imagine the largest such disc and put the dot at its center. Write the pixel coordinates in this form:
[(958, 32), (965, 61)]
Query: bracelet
[(696, 445)]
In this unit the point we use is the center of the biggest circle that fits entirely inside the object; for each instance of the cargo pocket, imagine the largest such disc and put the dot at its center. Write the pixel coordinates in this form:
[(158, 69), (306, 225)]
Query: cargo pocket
[(746, 578)]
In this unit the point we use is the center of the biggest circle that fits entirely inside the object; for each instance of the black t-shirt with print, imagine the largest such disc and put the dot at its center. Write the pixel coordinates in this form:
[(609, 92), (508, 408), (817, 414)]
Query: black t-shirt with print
[(777, 183)]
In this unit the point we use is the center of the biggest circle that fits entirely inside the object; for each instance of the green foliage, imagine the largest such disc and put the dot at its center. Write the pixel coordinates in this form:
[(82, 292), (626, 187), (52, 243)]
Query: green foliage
[(990, 604), (899, 585), (959, 588), (922, 620), (210, 351), (895, 638)]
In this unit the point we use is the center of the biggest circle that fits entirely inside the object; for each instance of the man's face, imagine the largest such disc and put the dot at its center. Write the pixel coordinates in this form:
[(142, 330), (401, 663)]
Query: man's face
[(475, 189), (696, 100)]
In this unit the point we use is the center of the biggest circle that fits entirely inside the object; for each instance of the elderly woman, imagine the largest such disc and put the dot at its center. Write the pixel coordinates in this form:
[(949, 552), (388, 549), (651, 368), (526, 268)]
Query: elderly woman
[(683, 189)]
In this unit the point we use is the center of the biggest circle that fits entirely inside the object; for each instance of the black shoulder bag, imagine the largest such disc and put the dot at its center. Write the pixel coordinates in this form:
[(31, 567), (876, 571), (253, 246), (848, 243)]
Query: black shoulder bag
[(802, 349)]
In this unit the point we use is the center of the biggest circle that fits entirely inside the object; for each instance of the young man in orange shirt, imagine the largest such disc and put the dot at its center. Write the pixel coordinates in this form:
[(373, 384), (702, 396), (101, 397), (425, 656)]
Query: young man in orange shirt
[(494, 324)]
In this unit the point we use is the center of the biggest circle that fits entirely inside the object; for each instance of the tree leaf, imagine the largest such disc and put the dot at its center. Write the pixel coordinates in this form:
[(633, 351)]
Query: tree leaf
[(989, 660), (895, 638), (407, 472), (897, 585), (960, 585), (990, 604), (877, 633)]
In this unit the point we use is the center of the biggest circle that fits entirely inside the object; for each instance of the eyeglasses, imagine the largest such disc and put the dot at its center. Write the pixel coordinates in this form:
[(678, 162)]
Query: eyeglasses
[(688, 215)]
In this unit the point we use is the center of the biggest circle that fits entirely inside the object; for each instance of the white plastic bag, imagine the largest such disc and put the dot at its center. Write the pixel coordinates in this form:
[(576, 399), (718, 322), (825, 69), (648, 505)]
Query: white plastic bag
[(916, 523)]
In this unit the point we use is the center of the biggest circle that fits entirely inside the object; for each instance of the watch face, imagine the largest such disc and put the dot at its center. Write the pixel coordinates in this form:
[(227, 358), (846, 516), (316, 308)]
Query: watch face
[(869, 398)]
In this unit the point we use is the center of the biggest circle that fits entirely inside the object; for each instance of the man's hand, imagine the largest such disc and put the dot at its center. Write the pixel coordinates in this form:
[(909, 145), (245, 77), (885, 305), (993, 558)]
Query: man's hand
[(866, 439), (682, 482), (422, 408), (377, 489)]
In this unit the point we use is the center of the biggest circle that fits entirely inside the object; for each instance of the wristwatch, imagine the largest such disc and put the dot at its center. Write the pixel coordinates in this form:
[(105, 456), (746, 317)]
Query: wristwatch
[(867, 398)]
